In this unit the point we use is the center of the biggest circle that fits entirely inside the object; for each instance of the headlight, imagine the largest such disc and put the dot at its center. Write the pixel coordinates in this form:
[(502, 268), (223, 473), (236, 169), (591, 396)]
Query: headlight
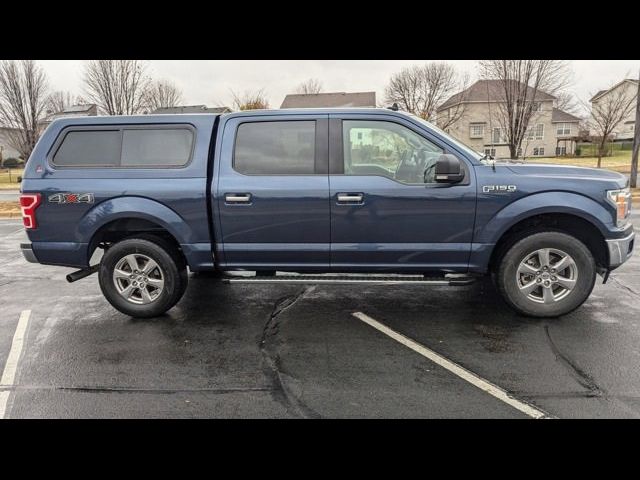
[(621, 200)]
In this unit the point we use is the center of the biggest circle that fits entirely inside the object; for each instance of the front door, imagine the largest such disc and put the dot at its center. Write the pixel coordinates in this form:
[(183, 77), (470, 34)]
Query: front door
[(387, 212), (273, 193)]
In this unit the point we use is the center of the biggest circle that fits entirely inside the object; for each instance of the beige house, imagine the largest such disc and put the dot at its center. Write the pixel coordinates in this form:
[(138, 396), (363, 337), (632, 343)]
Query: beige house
[(477, 123), (629, 88)]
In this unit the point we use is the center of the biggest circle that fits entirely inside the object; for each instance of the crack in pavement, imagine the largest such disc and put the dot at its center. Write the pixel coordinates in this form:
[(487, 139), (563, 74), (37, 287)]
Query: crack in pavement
[(542, 396), (629, 289), (154, 391), (582, 377), (271, 328)]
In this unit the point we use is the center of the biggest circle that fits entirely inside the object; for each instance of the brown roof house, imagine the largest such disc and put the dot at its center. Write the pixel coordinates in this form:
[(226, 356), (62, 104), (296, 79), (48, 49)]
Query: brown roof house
[(190, 109), (329, 100), (551, 130)]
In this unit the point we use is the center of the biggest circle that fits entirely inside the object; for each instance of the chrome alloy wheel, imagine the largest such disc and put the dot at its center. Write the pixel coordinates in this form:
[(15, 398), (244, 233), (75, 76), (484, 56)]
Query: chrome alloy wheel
[(547, 275), (138, 279)]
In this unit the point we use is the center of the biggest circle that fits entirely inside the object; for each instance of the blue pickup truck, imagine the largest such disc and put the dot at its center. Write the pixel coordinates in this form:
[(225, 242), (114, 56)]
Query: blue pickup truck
[(313, 196)]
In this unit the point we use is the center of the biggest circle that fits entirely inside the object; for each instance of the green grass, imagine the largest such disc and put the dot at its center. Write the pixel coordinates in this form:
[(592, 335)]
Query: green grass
[(620, 161)]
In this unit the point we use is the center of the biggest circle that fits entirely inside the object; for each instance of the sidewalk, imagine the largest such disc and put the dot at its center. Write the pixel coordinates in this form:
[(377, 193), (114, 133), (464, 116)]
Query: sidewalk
[(7, 195)]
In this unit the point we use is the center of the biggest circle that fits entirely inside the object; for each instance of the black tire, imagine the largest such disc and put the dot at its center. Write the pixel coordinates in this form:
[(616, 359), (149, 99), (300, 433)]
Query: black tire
[(170, 263), (178, 258), (507, 278)]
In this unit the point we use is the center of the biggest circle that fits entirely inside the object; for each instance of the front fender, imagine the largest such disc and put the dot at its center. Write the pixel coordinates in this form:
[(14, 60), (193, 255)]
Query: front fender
[(546, 202), (133, 207)]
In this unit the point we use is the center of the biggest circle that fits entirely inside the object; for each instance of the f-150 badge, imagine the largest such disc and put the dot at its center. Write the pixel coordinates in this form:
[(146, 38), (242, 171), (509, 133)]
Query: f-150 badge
[(499, 188), (71, 198)]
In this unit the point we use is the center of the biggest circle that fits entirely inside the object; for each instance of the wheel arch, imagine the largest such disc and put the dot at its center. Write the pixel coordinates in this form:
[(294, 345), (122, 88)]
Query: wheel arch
[(576, 226), (116, 219)]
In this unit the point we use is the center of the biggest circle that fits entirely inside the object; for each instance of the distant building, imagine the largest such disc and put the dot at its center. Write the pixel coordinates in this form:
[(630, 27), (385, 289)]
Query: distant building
[(86, 110), (190, 109), (329, 100), (551, 131), (629, 88)]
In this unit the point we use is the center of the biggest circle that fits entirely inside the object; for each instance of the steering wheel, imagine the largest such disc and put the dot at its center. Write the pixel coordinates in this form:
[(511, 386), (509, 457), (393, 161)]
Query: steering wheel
[(413, 142)]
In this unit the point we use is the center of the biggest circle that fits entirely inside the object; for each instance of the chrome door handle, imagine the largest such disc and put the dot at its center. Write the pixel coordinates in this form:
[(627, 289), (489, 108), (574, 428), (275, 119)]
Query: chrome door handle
[(237, 197), (350, 197)]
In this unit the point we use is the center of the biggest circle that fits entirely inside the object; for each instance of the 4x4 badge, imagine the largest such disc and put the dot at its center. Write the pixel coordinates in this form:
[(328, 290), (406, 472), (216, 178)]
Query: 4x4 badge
[(71, 198)]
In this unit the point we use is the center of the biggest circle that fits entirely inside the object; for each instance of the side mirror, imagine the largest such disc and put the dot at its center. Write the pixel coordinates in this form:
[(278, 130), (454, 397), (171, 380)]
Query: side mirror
[(449, 169)]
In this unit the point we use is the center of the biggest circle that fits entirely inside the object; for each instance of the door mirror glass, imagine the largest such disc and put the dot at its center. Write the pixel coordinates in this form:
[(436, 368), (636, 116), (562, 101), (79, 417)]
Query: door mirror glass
[(449, 169)]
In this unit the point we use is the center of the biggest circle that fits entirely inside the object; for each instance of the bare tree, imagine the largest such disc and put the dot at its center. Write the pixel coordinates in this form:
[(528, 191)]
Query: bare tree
[(59, 101), (250, 100), (313, 85), (520, 85), (567, 102), (162, 94), (23, 99), (117, 86), (606, 115), (421, 89)]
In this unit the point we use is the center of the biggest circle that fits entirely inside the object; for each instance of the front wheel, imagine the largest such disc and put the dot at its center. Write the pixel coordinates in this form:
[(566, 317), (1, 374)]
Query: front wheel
[(546, 274), (142, 277)]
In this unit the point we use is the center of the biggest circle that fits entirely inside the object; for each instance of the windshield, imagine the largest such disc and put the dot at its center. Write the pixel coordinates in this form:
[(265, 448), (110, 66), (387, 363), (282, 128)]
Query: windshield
[(473, 153)]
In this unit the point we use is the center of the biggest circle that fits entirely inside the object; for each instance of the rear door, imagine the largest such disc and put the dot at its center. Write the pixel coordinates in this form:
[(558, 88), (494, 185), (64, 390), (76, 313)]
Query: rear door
[(387, 212), (273, 192)]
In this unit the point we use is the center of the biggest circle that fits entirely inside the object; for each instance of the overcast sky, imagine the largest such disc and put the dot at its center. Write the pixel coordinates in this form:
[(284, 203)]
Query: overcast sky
[(209, 81)]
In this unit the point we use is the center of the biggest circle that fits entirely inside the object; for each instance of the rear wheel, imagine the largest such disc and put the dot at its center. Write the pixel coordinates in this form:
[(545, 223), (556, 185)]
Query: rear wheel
[(546, 274), (143, 277)]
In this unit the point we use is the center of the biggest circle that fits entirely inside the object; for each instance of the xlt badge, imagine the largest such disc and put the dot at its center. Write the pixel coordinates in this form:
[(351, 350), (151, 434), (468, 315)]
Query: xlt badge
[(499, 188)]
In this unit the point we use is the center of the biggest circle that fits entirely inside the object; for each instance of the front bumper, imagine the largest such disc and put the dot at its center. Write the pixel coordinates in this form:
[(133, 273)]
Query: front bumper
[(27, 252), (620, 249)]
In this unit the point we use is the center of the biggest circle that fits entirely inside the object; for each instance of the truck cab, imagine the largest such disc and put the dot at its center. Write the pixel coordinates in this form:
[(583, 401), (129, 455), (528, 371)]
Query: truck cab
[(322, 194)]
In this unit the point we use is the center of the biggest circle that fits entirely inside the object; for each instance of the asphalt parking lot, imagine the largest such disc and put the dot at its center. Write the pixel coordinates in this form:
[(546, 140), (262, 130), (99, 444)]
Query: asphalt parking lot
[(281, 351)]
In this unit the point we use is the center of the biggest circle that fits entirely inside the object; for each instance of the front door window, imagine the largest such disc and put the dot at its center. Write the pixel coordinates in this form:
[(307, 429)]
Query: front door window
[(390, 150)]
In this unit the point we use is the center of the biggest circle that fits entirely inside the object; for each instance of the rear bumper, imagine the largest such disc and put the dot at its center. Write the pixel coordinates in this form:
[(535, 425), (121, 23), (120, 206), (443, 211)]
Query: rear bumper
[(64, 254), (27, 252), (620, 249)]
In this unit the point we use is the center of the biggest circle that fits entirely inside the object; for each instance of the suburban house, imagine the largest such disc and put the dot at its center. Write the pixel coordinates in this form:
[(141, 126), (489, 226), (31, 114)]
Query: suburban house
[(328, 100), (629, 88), (472, 116), (6, 150), (190, 109), (85, 110)]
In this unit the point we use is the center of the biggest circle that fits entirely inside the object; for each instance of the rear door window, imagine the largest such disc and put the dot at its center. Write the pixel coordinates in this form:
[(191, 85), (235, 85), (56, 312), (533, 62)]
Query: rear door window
[(275, 148)]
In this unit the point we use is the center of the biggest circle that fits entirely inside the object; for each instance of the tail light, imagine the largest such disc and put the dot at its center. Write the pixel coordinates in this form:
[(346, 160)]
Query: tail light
[(28, 203)]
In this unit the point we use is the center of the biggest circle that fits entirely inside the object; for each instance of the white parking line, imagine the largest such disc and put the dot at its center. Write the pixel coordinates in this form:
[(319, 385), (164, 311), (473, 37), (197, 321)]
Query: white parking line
[(454, 368), (11, 367)]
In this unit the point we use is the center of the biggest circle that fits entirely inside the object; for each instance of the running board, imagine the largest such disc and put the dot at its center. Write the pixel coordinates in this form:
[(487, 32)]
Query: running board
[(354, 279)]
